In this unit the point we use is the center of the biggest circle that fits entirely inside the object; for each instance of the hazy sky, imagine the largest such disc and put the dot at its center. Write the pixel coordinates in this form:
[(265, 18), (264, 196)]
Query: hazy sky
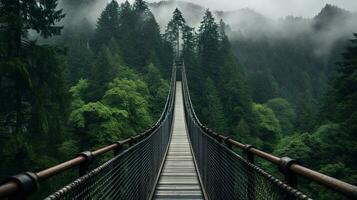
[(276, 8)]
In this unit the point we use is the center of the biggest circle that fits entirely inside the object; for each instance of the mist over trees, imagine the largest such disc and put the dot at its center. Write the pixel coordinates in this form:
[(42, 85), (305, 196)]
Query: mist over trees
[(82, 77), (76, 86), (280, 107)]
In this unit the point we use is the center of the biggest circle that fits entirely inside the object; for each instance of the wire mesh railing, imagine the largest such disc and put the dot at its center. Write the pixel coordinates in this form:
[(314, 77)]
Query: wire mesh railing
[(225, 174), (133, 173)]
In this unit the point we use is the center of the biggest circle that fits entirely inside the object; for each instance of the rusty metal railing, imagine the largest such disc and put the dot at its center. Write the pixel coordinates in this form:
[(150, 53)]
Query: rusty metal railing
[(25, 184), (289, 167)]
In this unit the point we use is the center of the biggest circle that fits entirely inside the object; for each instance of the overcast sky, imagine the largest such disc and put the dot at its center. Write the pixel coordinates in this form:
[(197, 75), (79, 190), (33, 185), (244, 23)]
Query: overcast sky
[(276, 8)]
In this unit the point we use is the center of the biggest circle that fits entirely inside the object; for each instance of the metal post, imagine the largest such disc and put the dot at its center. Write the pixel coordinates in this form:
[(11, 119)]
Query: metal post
[(118, 149), (132, 141), (227, 175), (28, 184), (284, 167), (84, 167), (228, 144), (250, 172)]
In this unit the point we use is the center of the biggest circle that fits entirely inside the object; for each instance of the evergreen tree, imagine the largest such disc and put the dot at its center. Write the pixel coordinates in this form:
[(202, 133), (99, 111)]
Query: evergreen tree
[(213, 114), (17, 17), (107, 25), (140, 29), (268, 126), (172, 33), (104, 70), (189, 53), (33, 94), (140, 7), (232, 82), (285, 113), (158, 89), (345, 87), (208, 44), (343, 97)]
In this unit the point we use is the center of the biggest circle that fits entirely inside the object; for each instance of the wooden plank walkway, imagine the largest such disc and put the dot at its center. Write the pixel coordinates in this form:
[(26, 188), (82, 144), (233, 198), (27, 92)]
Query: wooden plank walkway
[(178, 179)]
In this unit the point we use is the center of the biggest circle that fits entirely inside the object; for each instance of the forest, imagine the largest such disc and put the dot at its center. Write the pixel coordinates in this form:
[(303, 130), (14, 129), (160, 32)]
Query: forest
[(68, 85)]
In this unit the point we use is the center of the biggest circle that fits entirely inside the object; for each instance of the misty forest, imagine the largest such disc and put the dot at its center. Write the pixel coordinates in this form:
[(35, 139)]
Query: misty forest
[(77, 75)]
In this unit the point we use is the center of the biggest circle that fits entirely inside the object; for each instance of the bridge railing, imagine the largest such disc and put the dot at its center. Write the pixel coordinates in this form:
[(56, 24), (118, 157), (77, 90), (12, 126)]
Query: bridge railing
[(131, 174), (227, 175)]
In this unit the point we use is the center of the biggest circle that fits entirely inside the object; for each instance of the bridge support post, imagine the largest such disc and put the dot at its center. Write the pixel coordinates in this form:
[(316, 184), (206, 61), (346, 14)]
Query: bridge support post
[(132, 141), (284, 167), (84, 167), (250, 172), (28, 184), (227, 143), (118, 149)]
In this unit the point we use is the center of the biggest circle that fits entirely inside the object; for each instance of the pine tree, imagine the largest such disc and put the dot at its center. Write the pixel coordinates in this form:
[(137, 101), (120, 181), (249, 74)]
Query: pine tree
[(345, 84), (208, 44), (103, 71), (172, 33), (213, 114), (140, 6), (146, 36), (17, 17), (107, 25), (32, 97), (189, 53)]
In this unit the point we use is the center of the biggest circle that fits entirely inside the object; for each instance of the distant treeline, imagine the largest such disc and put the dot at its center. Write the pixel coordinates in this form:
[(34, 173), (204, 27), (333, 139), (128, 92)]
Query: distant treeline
[(90, 86)]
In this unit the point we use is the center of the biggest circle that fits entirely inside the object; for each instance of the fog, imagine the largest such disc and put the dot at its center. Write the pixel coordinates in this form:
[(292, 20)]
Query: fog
[(273, 20), (251, 19), (276, 8)]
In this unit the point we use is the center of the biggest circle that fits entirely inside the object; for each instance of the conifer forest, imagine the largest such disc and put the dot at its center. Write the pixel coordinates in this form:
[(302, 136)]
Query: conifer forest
[(76, 75)]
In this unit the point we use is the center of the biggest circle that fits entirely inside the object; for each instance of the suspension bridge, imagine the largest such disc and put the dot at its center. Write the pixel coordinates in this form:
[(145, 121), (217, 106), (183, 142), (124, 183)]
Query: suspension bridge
[(177, 158)]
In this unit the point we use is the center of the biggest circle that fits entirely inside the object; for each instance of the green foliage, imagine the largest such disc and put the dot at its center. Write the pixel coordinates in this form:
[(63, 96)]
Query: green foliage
[(115, 91), (107, 25), (325, 151), (121, 112), (268, 127), (213, 114), (285, 113), (173, 28), (344, 92), (131, 96), (117, 73), (104, 69), (306, 112), (263, 86), (296, 146), (158, 89), (218, 86), (208, 44)]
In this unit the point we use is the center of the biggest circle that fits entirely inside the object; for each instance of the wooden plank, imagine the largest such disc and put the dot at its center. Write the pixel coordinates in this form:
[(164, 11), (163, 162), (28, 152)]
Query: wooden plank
[(178, 179)]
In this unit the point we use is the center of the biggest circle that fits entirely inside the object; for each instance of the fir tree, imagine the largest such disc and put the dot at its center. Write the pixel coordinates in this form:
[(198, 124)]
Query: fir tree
[(345, 85), (208, 44), (107, 25), (172, 33)]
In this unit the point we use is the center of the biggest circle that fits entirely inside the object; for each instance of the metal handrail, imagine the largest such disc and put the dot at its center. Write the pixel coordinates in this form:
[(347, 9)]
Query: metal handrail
[(294, 168), (11, 186)]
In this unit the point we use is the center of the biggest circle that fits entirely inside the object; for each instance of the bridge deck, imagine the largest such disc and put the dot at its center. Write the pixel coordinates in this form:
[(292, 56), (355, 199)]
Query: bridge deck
[(178, 179)]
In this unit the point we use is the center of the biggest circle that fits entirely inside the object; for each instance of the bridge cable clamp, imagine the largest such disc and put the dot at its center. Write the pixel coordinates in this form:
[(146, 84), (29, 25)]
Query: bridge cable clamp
[(228, 144), (284, 167), (248, 153), (132, 141), (118, 149), (285, 164), (83, 168), (27, 182)]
